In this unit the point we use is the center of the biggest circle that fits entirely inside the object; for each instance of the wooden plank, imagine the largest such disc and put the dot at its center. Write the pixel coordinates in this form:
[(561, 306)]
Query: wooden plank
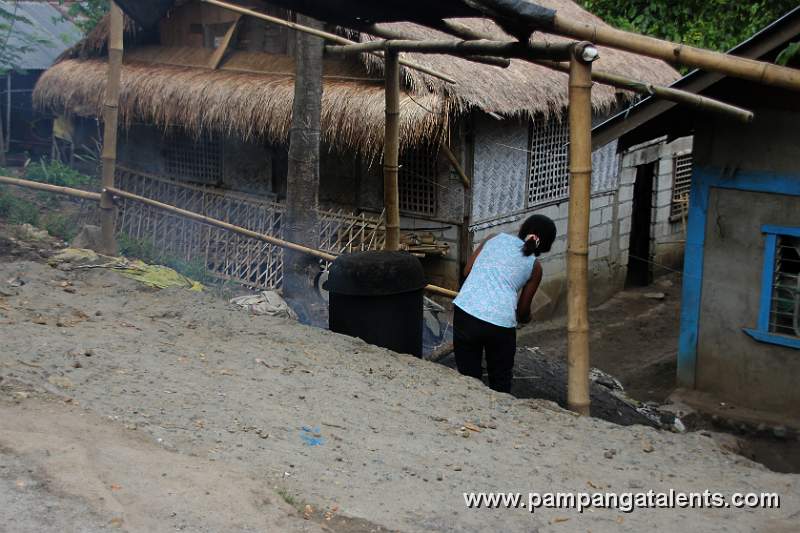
[(219, 53)]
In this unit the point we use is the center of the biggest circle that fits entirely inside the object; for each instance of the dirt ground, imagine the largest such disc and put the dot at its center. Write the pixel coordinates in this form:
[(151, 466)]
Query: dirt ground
[(620, 329), (130, 408)]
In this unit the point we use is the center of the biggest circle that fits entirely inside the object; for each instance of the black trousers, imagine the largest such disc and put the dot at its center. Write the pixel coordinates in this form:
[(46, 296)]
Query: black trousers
[(471, 336)]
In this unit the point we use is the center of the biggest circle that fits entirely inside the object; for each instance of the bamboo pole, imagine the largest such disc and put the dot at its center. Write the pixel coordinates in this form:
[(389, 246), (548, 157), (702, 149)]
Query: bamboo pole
[(459, 30), (243, 231), (110, 121), (35, 185), (448, 153), (702, 103), (580, 166), (738, 67), (615, 80), (529, 51), (386, 33), (323, 34), (391, 152), (219, 53)]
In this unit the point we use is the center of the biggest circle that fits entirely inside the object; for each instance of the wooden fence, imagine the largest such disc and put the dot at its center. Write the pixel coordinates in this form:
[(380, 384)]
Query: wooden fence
[(226, 255)]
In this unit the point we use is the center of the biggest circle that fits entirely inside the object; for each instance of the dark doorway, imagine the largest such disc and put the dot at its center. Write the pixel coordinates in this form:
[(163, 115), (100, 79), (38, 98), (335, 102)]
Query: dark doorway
[(639, 271)]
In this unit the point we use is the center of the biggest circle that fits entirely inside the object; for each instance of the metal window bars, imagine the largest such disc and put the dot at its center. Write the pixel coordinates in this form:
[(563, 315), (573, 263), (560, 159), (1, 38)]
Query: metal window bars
[(784, 317)]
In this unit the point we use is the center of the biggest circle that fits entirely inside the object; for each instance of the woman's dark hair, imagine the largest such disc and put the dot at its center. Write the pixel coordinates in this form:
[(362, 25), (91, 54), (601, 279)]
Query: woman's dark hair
[(543, 228)]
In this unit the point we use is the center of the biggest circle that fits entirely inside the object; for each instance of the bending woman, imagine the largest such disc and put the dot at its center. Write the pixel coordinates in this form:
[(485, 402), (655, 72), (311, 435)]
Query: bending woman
[(502, 278)]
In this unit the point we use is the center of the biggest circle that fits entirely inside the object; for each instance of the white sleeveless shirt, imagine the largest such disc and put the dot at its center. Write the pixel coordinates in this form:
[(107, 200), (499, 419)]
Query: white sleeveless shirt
[(491, 290)]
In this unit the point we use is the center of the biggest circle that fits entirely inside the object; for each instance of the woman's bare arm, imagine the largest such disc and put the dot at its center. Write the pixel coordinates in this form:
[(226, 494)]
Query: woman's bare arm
[(527, 294)]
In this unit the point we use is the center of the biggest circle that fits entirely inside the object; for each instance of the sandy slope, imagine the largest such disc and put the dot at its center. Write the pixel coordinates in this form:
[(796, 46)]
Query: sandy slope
[(210, 385)]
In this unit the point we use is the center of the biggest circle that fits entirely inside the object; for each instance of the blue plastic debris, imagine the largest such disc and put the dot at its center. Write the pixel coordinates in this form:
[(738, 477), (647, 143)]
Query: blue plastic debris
[(311, 436)]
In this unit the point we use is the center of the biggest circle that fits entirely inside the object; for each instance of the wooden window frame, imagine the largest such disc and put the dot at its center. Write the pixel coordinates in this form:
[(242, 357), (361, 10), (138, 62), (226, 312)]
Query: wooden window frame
[(418, 181), (763, 331), (550, 185), (679, 209)]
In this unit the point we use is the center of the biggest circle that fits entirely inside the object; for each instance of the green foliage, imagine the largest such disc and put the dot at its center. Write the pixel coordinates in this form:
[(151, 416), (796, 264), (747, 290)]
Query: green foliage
[(790, 55), (57, 173), (61, 226), (713, 24), (137, 248), (17, 210), (288, 498), (87, 13)]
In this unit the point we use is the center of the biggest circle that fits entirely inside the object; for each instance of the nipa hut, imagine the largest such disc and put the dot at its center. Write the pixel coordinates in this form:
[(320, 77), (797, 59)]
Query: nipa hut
[(197, 131)]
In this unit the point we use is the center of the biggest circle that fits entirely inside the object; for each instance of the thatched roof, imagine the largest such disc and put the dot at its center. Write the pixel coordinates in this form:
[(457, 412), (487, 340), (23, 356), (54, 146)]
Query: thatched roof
[(252, 93), (250, 96), (523, 89)]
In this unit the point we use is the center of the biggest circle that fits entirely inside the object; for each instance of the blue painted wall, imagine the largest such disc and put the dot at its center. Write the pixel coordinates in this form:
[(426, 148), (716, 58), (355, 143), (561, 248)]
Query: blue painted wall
[(715, 352)]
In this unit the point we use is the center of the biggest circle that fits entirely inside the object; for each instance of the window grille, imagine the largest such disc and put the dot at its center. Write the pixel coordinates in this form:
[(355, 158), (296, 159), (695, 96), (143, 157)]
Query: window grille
[(784, 315), (417, 180), (549, 162), (681, 185), (193, 159)]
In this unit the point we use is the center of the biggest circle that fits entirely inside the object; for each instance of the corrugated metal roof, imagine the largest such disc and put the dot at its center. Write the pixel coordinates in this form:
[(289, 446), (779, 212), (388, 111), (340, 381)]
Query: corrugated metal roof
[(46, 22)]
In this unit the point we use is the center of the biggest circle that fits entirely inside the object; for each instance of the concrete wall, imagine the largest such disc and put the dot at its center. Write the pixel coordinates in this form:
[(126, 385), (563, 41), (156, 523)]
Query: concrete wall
[(667, 237), (730, 364), (499, 205), (606, 275)]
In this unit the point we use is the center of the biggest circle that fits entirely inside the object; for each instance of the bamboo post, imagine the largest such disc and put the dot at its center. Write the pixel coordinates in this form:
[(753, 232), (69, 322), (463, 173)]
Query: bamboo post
[(702, 103), (219, 53), (678, 96), (737, 67), (110, 120), (391, 152), (386, 33), (451, 157), (46, 187), (489, 48), (580, 166)]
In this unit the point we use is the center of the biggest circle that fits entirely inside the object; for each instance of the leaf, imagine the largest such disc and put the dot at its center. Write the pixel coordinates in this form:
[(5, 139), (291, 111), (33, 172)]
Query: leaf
[(788, 53)]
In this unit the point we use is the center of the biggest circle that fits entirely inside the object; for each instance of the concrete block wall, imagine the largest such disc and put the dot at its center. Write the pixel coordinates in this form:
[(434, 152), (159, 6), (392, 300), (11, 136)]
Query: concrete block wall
[(605, 278), (667, 237)]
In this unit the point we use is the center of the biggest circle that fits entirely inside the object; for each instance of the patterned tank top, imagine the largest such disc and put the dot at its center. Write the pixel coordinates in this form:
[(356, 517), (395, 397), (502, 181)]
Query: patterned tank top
[(491, 290)]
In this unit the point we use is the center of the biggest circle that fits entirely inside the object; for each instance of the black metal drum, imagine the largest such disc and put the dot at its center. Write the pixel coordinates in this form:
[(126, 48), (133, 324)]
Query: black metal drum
[(377, 296)]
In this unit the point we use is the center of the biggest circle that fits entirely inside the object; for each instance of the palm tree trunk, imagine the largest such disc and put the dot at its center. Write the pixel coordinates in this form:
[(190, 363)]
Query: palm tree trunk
[(302, 192)]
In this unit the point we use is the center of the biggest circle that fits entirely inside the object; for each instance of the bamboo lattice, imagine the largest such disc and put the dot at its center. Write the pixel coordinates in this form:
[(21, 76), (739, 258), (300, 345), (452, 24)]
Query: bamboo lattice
[(226, 255)]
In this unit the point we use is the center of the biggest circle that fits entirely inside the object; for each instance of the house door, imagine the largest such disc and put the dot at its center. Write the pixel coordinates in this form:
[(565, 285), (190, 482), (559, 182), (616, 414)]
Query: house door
[(640, 272)]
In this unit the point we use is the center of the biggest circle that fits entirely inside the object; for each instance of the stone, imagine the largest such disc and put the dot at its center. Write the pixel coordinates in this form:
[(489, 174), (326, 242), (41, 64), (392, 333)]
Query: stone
[(655, 295), (60, 381), (89, 238)]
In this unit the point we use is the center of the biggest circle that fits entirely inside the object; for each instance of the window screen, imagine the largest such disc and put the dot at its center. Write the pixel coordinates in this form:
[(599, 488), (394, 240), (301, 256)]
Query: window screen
[(417, 180), (784, 317), (549, 162), (681, 185), (194, 159)]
